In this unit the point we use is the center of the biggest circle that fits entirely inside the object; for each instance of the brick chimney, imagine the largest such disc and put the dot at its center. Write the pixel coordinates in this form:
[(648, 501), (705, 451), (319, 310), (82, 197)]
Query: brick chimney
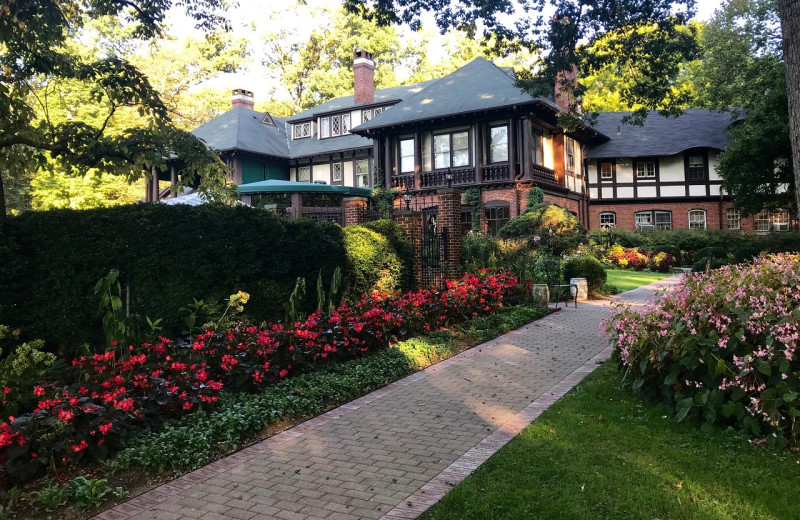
[(566, 78), (242, 98), (363, 77)]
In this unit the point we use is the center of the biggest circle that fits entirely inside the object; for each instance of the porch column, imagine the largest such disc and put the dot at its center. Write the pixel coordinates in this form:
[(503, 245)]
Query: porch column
[(173, 178), (526, 147), (411, 222), (449, 209), (155, 189), (297, 205), (512, 147), (417, 160), (387, 160), (479, 160)]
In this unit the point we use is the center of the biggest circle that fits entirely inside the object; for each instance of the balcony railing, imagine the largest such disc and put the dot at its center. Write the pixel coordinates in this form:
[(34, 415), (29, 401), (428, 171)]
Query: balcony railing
[(544, 175), (439, 178), (497, 172), (403, 182)]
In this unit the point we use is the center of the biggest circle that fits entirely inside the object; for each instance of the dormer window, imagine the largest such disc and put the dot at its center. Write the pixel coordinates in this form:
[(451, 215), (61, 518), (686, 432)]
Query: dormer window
[(324, 127), (334, 126), (302, 130)]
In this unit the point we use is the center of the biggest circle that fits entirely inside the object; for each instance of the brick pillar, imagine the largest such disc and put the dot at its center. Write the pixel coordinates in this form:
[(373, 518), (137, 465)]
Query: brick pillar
[(449, 203), (354, 209), (411, 222)]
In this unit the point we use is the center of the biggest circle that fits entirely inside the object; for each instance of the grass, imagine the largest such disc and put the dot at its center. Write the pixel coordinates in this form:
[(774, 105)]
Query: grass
[(603, 453), (627, 280)]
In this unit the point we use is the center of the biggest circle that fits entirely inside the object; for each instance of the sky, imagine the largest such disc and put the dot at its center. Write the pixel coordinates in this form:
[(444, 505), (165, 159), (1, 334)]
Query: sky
[(253, 19)]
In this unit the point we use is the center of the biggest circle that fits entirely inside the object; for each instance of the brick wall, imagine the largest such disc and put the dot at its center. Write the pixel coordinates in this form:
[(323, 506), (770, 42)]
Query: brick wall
[(680, 214), (449, 215), (411, 222), (354, 209)]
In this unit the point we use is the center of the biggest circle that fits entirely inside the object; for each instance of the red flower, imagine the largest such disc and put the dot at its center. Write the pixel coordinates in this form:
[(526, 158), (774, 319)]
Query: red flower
[(38, 391)]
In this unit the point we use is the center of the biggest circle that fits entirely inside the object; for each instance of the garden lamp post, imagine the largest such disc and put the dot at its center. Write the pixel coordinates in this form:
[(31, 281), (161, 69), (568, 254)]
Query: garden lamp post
[(407, 199)]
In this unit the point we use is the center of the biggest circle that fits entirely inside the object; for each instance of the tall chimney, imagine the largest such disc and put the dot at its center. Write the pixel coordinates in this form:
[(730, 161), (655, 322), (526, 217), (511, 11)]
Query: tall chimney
[(242, 98), (566, 83), (363, 77)]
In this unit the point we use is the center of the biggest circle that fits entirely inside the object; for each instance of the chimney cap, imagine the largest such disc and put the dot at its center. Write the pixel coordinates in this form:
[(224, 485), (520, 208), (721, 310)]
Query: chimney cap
[(360, 53), (242, 92)]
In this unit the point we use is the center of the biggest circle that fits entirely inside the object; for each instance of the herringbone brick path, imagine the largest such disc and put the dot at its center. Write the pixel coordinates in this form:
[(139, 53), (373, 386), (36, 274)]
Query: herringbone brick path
[(395, 452)]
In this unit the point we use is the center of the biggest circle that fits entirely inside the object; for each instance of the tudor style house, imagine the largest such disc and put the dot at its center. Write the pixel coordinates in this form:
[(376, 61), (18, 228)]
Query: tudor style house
[(475, 129)]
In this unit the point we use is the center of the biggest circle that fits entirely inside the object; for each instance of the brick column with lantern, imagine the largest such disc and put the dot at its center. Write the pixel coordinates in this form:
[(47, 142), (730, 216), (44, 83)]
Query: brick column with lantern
[(354, 209)]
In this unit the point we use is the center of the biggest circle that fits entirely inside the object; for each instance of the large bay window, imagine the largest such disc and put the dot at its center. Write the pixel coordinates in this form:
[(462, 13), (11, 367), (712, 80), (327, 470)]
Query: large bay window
[(407, 155), (697, 219), (451, 150), (498, 144)]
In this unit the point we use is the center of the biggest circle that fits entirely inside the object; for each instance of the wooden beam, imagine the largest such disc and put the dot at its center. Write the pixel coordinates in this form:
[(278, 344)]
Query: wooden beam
[(526, 147)]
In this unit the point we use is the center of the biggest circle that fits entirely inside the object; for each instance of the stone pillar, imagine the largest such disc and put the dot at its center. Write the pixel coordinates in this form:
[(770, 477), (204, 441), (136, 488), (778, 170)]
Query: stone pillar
[(296, 210), (449, 208), (411, 222), (354, 209)]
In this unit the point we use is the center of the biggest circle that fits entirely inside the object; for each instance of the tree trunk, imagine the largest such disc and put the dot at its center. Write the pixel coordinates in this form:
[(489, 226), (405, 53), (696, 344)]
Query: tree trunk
[(790, 25), (2, 199)]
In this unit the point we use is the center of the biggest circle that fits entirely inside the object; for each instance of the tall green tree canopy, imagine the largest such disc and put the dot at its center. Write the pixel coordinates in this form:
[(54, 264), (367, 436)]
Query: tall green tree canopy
[(37, 58), (651, 38), (743, 67)]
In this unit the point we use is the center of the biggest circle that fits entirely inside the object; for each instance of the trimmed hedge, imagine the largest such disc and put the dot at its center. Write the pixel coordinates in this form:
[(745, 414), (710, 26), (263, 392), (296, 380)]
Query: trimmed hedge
[(167, 256)]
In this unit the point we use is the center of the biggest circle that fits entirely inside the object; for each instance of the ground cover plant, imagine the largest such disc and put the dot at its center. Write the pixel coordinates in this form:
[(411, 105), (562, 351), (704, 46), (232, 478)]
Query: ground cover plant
[(603, 453), (721, 347), (89, 411)]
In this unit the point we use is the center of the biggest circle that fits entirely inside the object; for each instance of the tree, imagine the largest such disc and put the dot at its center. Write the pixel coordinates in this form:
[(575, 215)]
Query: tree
[(790, 27), (320, 67), (743, 67), (37, 59), (653, 36)]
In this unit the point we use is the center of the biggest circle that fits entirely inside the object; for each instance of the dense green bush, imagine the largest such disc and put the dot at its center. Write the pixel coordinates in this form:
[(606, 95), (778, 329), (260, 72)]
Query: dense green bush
[(167, 255), (540, 221), (523, 258), (401, 246), (587, 267), (372, 263)]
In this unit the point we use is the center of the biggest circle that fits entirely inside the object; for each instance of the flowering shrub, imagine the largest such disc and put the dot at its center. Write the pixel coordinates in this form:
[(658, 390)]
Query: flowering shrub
[(107, 394), (623, 258), (722, 347), (661, 262)]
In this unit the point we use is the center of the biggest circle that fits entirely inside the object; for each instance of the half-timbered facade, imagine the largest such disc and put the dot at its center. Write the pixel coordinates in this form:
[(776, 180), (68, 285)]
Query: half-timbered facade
[(476, 129)]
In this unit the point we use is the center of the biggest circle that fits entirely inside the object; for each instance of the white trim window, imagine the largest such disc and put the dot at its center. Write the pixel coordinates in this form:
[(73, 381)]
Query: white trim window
[(762, 221), (606, 171), (663, 220), (451, 149), (362, 173), (697, 219), (653, 220), (324, 127), (304, 174), (345, 123), (301, 130), (336, 126), (366, 115), (608, 219), (646, 170), (733, 218), (780, 221), (407, 155)]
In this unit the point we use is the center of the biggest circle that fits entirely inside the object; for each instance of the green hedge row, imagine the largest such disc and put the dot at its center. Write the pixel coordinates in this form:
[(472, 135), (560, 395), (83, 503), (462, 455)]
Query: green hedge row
[(167, 255)]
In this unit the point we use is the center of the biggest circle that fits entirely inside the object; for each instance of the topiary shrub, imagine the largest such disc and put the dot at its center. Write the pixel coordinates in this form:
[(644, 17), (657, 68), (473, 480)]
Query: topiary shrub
[(540, 220), (587, 267), (535, 197)]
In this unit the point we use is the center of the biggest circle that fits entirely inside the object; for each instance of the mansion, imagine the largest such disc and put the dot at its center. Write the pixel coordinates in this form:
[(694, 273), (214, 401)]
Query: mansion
[(474, 128)]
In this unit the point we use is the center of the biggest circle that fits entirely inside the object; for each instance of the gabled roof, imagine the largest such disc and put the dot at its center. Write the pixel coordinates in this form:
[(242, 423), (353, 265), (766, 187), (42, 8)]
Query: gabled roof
[(243, 129), (696, 128), (478, 85), (384, 95)]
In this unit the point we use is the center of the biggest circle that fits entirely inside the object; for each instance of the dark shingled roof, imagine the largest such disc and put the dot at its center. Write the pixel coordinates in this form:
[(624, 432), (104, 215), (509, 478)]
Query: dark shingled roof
[(383, 95), (314, 146), (478, 85), (696, 128), (242, 129)]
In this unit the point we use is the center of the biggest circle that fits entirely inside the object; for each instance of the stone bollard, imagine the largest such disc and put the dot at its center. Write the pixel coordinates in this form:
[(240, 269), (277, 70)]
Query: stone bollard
[(583, 288), (541, 294)]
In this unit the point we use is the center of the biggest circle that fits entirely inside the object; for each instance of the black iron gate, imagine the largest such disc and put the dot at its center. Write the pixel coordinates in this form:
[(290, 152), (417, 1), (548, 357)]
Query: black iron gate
[(434, 257)]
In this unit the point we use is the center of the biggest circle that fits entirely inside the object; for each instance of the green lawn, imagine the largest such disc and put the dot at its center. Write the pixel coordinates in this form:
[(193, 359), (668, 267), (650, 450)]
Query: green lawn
[(627, 280), (603, 453)]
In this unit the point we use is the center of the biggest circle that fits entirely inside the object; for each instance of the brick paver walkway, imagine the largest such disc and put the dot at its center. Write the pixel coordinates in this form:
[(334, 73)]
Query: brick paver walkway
[(395, 452)]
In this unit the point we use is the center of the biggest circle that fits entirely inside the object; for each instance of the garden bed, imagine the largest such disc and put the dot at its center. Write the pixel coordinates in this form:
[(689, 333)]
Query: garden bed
[(240, 418)]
